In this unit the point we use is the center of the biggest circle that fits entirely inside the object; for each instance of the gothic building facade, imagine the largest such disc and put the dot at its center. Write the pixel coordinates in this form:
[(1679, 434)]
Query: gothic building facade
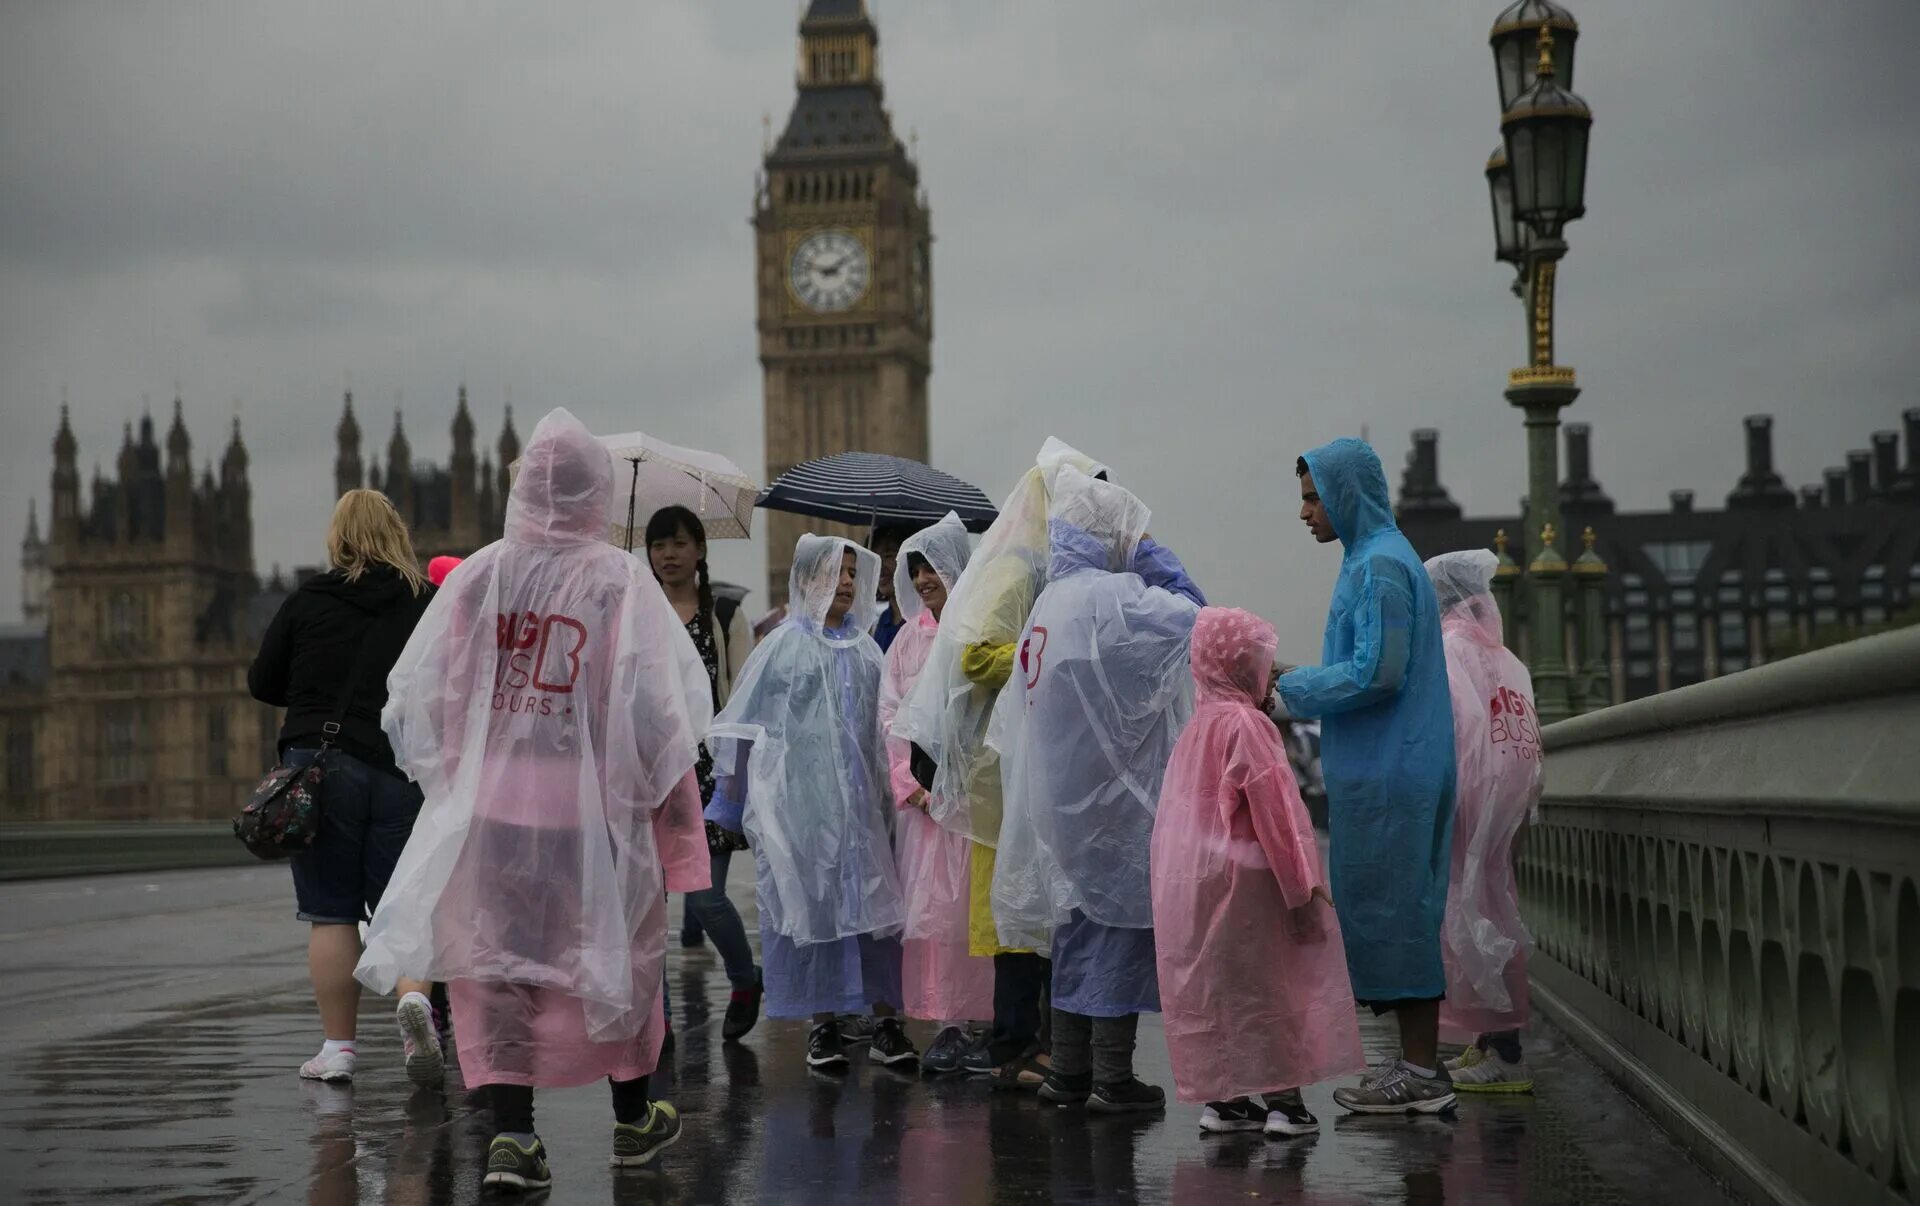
[(1696, 592), (451, 509), (843, 268), (125, 688)]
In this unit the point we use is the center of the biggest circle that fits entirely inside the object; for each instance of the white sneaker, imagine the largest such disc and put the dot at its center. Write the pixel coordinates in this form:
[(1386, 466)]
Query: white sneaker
[(1491, 1074), (1229, 1117), (334, 1069), (426, 1064)]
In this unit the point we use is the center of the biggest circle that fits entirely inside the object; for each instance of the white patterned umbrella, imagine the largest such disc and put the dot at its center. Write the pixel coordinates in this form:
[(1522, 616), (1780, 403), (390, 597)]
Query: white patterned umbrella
[(660, 474)]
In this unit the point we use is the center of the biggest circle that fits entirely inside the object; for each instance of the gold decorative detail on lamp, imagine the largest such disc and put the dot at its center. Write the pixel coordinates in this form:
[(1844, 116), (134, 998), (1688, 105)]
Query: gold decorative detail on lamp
[(1588, 564), (1506, 566), (1549, 561)]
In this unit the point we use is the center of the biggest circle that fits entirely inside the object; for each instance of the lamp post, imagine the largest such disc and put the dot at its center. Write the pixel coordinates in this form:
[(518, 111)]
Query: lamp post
[(1537, 182)]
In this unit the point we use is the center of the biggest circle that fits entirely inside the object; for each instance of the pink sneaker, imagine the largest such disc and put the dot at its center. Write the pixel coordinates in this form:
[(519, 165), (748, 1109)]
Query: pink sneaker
[(426, 1063)]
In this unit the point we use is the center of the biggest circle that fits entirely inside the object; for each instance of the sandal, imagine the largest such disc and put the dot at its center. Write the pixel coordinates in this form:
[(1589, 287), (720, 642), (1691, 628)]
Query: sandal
[(1023, 1075)]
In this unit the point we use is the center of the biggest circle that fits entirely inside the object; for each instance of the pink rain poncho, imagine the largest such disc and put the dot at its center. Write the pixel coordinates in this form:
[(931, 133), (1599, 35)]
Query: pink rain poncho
[(1253, 976), (1497, 737), (549, 705), (940, 980)]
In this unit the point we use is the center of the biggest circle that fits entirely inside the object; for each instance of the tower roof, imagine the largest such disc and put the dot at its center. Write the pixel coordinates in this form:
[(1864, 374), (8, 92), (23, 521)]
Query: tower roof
[(838, 112), (349, 429), (179, 444)]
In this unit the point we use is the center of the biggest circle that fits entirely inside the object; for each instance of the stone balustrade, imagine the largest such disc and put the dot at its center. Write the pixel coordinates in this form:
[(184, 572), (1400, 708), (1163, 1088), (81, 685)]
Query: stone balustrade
[(1724, 891)]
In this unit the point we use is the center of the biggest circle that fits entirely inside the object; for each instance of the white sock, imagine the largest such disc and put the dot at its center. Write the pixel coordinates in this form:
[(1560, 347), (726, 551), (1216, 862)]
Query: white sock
[(336, 1046), (1417, 1070)]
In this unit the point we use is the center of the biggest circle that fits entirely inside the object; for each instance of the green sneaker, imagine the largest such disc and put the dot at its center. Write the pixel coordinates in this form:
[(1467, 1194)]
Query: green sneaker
[(637, 1144), (510, 1166)]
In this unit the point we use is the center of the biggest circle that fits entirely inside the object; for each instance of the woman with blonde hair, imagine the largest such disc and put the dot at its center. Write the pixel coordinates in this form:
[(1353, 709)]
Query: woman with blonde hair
[(325, 660)]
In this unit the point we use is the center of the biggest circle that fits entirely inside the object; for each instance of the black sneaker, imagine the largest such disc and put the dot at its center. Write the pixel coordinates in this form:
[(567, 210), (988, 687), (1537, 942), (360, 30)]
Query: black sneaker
[(945, 1052), (1288, 1116), (825, 1048), (855, 1028), (890, 1044), (1228, 1117), (635, 1144), (977, 1059), (1130, 1096), (743, 1011), (510, 1166), (1062, 1089)]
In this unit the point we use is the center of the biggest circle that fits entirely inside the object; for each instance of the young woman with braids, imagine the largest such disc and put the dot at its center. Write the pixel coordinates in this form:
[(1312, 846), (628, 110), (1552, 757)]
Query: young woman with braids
[(677, 550)]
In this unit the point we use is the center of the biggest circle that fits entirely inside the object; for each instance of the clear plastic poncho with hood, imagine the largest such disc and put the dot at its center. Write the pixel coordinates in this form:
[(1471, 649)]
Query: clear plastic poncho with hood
[(800, 764), (947, 713), (1085, 733), (1497, 742), (549, 704), (1386, 736), (1234, 855), (940, 979)]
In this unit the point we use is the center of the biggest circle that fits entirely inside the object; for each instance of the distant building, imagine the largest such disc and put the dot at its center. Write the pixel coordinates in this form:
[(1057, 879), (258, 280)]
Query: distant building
[(1695, 593), (126, 694), (452, 509)]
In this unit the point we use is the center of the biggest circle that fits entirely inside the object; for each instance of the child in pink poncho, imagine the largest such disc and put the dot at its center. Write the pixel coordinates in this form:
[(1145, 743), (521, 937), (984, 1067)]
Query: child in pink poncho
[(1497, 735), (941, 980), (549, 704), (1253, 976)]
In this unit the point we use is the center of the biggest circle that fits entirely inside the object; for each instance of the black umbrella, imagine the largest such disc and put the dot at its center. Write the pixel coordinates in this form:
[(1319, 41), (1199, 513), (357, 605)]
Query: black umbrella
[(868, 488)]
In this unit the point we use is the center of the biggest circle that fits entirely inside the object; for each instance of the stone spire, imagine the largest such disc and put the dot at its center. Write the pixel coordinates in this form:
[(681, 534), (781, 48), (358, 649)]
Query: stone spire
[(65, 522), (400, 469), (347, 474), (463, 519), (509, 449), (35, 577)]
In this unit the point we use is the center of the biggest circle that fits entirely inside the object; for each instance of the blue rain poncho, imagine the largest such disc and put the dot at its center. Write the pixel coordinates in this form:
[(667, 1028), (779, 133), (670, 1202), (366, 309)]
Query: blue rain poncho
[(1386, 737), (802, 768), (1085, 731)]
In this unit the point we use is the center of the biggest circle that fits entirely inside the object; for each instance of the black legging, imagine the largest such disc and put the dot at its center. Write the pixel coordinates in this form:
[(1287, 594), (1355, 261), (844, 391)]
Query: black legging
[(513, 1105)]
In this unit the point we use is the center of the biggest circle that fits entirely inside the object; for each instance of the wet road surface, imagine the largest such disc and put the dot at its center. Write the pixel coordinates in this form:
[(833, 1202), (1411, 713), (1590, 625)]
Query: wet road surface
[(150, 1027)]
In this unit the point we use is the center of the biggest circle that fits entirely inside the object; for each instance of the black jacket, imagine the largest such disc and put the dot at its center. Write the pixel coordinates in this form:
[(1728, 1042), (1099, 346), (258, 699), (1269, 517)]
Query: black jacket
[(311, 647)]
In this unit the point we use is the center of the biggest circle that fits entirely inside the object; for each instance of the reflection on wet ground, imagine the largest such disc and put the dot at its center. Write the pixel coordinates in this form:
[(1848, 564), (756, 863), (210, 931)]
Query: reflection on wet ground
[(199, 1103)]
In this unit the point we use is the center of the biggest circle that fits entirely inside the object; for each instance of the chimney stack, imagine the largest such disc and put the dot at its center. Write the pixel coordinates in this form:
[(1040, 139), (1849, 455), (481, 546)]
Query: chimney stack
[(1682, 501), (1886, 461), (1579, 493), (1421, 493), (1908, 485), (1812, 498), (1760, 486), (1579, 452), (1836, 486), (1859, 476)]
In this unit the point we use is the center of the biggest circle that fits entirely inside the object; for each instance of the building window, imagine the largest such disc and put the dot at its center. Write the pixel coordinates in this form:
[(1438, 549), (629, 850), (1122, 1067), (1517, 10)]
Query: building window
[(1686, 632), (121, 740), (19, 761), (217, 741), (1679, 560), (123, 620), (1733, 632)]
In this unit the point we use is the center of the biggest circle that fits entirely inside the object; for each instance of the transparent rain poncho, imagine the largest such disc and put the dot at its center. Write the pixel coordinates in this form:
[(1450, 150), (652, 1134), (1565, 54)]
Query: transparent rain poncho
[(1088, 723), (1386, 736), (798, 744), (940, 980), (947, 714), (1497, 740), (549, 704), (1234, 857)]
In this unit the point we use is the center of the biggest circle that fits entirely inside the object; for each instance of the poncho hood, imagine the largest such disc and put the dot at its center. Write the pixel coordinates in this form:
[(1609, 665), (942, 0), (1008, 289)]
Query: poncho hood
[(564, 488), (1463, 584), (1092, 524), (816, 576), (947, 550), (1351, 483), (1232, 656)]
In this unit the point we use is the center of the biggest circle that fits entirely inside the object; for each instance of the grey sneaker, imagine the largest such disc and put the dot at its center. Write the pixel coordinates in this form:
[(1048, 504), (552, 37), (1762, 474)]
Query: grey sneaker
[(945, 1052), (510, 1166), (1397, 1090)]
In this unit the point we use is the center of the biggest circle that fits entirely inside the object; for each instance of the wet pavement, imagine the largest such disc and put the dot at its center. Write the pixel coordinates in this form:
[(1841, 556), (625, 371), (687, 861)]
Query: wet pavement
[(150, 1027)]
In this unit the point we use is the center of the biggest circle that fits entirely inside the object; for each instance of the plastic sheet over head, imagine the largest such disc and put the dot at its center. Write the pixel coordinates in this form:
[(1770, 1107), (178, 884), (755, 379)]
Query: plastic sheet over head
[(547, 703), (1463, 584), (800, 738), (947, 714), (1104, 520), (563, 492), (946, 547)]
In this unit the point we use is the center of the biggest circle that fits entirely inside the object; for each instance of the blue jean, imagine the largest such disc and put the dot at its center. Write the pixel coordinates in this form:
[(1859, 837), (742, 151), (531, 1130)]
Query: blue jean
[(721, 920), (366, 816)]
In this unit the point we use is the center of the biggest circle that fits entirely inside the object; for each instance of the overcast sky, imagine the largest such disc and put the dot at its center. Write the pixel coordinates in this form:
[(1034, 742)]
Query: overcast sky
[(1191, 239)]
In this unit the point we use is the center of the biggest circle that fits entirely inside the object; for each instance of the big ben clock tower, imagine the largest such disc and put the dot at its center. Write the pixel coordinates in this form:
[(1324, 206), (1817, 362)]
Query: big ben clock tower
[(845, 275)]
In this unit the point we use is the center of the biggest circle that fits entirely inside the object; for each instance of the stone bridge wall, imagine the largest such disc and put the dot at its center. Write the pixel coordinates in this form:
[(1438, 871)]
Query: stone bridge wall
[(1724, 891)]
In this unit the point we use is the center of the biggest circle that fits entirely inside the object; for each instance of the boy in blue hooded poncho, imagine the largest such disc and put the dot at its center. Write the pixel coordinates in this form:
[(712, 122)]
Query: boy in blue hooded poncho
[(1386, 750)]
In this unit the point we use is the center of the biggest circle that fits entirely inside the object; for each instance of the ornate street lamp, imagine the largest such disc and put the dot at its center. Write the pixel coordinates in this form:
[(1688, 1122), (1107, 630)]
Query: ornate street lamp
[(1537, 182)]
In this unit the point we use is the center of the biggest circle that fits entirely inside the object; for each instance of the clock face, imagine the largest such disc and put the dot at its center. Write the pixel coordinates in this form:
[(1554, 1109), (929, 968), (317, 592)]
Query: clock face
[(829, 271), (918, 282)]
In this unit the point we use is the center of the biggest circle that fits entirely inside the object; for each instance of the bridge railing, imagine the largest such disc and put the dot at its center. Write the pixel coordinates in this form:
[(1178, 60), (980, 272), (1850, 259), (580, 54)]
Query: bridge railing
[(1724, 892), (42, 850)]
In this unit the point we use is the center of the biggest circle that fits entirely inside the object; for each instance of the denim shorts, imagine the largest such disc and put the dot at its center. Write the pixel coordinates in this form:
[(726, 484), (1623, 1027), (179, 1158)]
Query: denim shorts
[(366, 816)]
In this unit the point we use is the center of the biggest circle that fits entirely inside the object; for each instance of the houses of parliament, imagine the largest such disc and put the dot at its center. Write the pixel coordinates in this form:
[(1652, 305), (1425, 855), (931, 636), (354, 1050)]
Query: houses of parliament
[(141, 606)]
